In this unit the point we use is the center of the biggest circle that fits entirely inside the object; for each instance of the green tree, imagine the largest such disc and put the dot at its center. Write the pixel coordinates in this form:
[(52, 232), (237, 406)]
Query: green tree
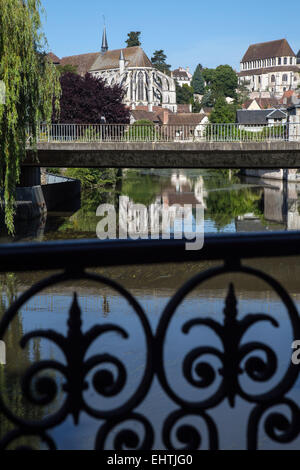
[(31, 83), (243, 92), (93, 177), (133, 39), (207, 100), (159, 61), (184, 94), (208, 75), (63, 69), (198, 80), (224, 81), (223, 112)]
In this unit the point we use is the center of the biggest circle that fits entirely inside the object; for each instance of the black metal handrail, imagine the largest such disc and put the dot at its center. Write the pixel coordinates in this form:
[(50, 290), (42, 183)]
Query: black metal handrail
[(256, 360), (89, 253)]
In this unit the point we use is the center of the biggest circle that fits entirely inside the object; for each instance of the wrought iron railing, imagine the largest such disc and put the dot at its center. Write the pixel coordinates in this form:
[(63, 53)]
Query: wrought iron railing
[(256, 360), (93, 133)]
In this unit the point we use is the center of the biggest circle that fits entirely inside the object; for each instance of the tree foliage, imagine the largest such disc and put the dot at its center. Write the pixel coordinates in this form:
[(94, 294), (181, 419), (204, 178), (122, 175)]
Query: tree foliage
[(133, 39), (225, 81), (159, 61), (198, 80), (68, 68), (184, 94), (31, 82), (223, 112), (85, 100)]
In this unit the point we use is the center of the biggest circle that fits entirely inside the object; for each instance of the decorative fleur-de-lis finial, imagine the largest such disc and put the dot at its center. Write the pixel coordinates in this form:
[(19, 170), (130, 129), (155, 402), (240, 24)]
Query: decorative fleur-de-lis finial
[(74, 322), (230, 310)]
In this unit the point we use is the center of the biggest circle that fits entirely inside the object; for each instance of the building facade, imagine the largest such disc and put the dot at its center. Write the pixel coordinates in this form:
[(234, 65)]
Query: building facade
[(270, 66), (130, 68), (182, 76)]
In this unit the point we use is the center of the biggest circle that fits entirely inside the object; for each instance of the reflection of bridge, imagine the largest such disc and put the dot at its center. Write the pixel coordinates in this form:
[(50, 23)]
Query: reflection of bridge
[(213, 146), (280, 201)]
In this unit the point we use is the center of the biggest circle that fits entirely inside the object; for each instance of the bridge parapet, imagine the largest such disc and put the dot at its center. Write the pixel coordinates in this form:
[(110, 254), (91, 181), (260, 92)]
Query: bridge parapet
[(93, 133)]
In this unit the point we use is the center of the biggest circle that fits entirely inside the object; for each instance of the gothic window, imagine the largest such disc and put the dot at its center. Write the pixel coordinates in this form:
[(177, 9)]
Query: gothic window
[(273, 78), (141, 86)]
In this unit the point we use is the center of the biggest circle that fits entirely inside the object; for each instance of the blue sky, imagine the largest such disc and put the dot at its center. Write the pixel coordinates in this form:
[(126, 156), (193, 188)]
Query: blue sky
[(210, 32)]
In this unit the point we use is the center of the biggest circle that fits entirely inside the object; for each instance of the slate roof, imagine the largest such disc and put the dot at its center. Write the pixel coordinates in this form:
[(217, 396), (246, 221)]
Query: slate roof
[(82, 62), (268, 50), (134, 57), (245, 116)]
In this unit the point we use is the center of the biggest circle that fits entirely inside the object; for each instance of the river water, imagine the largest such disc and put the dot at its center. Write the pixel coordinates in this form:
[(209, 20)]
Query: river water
[(231, 203)]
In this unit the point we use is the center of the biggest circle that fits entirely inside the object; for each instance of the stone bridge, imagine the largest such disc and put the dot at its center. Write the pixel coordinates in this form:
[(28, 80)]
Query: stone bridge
[(186, 154)]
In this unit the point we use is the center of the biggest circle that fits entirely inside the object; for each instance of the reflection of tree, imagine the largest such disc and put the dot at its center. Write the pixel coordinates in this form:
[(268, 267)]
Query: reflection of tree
[(17, 361), (83, 223), (223, 206), (142, 188)]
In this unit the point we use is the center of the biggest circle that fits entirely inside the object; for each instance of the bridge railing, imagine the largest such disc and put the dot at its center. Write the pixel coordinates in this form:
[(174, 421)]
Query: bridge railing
[(219, 367), (93, 133)]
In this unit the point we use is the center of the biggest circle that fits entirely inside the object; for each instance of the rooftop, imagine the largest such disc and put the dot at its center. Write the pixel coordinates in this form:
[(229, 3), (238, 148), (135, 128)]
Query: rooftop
[(82, 62), (268, 50), (134, 57)]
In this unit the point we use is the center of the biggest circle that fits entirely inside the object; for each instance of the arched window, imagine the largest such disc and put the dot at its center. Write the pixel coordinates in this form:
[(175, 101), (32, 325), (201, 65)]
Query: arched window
[(141, 86), (273, 78), (284, 77)]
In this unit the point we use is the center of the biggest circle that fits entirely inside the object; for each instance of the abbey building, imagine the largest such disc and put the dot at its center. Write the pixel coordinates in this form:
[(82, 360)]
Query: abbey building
[(130, 67), (270, 66)]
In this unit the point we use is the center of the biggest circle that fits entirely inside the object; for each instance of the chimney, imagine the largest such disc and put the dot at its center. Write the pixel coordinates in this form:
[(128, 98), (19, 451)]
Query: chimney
[(165, 116)]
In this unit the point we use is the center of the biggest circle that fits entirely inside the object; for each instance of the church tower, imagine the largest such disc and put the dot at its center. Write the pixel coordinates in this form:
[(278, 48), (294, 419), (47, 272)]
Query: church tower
[(104, 47)]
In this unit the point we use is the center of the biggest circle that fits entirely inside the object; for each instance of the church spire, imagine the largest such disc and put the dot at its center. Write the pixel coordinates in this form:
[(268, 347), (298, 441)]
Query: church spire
[(104, 47)]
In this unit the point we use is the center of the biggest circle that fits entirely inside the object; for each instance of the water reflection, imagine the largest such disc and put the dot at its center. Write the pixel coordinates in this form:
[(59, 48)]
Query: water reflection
[(17, 362), (232, 203)]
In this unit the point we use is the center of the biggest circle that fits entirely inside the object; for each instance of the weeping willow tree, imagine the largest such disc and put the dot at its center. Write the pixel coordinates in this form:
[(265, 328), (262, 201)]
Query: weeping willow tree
[(31, 86)]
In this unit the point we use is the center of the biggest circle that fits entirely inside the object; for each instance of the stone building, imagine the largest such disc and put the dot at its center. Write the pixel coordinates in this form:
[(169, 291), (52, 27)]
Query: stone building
[(130, 67), (182, 76), (270, 66)]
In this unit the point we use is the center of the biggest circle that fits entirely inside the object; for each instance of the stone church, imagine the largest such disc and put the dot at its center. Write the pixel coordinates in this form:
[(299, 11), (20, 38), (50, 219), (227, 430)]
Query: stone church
[(270, 66), (130, 67)]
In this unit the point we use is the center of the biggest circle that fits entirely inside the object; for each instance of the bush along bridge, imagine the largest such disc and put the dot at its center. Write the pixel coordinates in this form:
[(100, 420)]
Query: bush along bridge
[(167, 146)]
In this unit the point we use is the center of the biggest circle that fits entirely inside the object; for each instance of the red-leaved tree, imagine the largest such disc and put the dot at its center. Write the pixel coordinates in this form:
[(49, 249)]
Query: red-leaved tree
[(86, 100)]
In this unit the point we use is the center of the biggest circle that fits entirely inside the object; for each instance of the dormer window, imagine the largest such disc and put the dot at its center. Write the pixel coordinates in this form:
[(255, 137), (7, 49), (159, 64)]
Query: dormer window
[(285, 60), (279, 60)]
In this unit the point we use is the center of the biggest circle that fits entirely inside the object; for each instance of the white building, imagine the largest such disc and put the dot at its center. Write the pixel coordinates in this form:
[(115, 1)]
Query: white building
[(270, 66), (130, 67), (182, 76)]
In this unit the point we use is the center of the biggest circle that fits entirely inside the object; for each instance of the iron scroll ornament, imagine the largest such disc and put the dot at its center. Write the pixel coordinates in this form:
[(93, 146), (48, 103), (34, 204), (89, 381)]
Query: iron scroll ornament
[(74, 346), (278, 427)]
